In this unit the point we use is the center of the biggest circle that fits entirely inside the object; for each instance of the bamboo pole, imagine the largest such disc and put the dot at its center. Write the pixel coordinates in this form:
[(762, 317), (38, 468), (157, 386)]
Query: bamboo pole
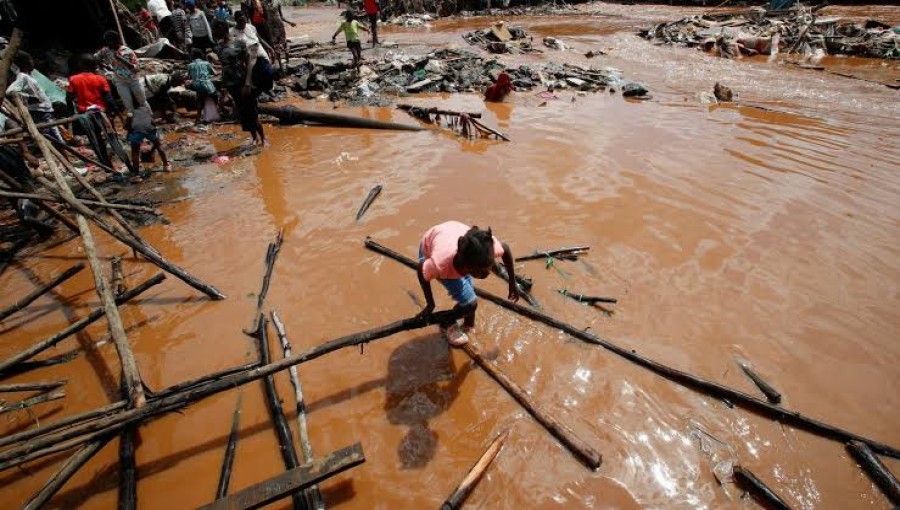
[(104, 205), (54, 339), (877, 471), (759, 490), (313, 496), (696, 383), (65, 472), (35, 386), (230, 448), (474, 475), (36, 293), (587, 455), (116, 328)]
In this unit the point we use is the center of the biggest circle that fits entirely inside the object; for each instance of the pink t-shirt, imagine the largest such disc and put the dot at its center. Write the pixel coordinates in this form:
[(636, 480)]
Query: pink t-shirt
[(439, 246)]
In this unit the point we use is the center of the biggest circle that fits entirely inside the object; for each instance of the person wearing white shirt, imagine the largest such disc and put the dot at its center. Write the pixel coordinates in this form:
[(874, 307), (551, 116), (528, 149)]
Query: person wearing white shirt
[(263, 76), (160, 10)]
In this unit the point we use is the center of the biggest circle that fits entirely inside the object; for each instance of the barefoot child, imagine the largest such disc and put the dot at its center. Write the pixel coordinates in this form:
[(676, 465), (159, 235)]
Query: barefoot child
[(453, 253), (140, 127), (351, 29)]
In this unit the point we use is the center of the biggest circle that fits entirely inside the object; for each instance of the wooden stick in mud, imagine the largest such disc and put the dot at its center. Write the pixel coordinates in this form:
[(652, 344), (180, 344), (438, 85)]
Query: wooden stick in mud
[(65, 472), (696, 383), (291, 482), (70, 330), (494, 132), (114, 320), (230, 448), (35, 386), (877, 471), (313, 496), (474, 475), (436, 111), (373, 194), (80, 433), (271, 257), (540, 255), (43, 398), (30, 298), (587, 455), (285, 438), (127, 469), (766, 496), (62, 218), (104, 205), (27, 366), (772, 395)]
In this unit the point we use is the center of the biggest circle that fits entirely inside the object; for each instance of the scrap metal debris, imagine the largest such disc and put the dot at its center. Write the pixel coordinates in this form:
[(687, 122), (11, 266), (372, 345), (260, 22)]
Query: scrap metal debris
[(501, 38)]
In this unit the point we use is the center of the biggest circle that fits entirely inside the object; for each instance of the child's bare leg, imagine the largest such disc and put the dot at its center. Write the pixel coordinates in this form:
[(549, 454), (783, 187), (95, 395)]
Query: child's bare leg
[(157, 146), (469, 318), (136, 157)]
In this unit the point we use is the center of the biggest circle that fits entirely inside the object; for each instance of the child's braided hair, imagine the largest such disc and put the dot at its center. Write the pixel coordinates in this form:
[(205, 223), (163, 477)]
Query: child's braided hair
[(476, 247)]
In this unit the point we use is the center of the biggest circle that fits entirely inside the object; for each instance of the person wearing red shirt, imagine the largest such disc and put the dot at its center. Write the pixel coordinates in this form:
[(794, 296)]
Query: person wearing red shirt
[(372, 7), (88, 88)]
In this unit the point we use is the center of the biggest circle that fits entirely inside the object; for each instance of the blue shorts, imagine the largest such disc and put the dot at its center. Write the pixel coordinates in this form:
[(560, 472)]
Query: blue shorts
[(135, 138), (462, 290)]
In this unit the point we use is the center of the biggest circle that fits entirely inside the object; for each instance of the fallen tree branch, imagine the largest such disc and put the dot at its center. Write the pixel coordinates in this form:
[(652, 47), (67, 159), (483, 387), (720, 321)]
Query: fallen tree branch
[(30, 298)]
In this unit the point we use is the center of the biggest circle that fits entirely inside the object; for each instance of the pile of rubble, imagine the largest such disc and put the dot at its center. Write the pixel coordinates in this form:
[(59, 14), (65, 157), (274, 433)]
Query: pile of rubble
[(446, 70), (760, 32), (501, 38), (412, 20)]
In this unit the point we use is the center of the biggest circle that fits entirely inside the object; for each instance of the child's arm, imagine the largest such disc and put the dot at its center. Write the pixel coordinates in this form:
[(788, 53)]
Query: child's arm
[(511, 269), (362, 27), (426, 289), (336, 32)]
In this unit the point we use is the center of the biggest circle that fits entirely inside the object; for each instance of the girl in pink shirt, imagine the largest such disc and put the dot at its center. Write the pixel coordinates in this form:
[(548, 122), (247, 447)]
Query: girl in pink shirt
[(453, 253)]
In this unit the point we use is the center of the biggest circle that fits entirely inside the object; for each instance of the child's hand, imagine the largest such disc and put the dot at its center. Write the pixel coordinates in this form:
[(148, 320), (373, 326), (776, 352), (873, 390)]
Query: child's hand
[(426, 312), (513, 292)]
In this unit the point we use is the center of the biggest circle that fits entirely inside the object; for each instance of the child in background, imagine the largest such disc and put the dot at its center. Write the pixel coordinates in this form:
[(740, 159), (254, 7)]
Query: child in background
[(200, 73), (351, 29), (140, 127), (39, 105), (453, 253)]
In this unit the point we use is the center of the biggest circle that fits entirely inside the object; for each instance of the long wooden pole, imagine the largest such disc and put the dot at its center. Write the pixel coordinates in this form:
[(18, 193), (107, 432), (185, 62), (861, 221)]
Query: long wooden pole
[(115, 12), (127, 469), (474, 475), (699, 384), (36, 293), (759, 490), (114, 320), (271, 257), (33, 401), (12, 47), (35, 386), (65, 472), (230, 448), (103, 205), (877, 471)]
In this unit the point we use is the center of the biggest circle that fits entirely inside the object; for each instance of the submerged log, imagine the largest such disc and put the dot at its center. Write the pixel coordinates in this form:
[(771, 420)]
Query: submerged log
[(373, 194), (271, 257), (289, 115), (766, 496), (35, 386), (587, 455), (696, 383), (30, 298), (291, 482), (65, 472), (877, 471), (230, 448), (768, 390), (127, 469), (474, 475)]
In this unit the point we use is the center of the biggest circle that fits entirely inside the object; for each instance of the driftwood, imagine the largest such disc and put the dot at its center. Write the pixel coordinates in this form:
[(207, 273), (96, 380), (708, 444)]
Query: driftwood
[(127, 469), (27, 366), (30, 298), (35, 386), (373, 194), (313, 496), (289, 115), (230, 448), (291, 482), (587, 455), (591, 300), (168, 401), (766, 496), (104, 205), (474, 475), (45, 344), (575, 250), (65, 472), (45, 397), (877, 471), (271, 257), (282, 431), (500, 271), (772, 395), (696, 383)]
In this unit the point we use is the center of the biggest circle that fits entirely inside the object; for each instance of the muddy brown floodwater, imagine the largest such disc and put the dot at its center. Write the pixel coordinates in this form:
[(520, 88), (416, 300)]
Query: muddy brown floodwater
[(765, 230)]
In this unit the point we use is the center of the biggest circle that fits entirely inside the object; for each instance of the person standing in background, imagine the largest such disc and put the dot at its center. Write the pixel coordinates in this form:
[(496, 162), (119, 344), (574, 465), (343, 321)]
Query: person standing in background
[(181, 30), (124, 64), (372, 8), (160, 10), (201, 33)]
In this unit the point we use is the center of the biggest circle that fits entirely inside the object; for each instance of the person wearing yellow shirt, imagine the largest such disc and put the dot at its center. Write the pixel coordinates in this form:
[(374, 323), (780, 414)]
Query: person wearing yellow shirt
[(351, 29)]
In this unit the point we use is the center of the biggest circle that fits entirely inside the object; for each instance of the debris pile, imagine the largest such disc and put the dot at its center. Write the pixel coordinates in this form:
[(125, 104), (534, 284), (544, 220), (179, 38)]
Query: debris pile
[(501, 39), (413, 20), (759, 32)]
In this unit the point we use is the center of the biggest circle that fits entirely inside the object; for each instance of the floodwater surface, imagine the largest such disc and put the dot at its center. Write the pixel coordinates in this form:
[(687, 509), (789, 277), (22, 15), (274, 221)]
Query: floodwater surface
[(766, 230)]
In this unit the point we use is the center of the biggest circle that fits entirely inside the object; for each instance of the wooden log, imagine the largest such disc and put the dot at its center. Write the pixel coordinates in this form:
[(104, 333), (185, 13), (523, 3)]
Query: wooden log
[(70, 330), (65, 472), (291, 482), (127, 469), (27, 366), (43, 398), (877, 471), (230, 448), (282, 431), (772, 395), (271, 257), (114, 321), (745, 479), (540, 255), (696, 383), (36, 293), (474, 475), (9, 53), (35, 386), (500, 271), (313, 496), (373, 194), (80, 433), (578, 447), (62, 218), (105, 205), (291, 115), (43, 125), (591, 300)]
